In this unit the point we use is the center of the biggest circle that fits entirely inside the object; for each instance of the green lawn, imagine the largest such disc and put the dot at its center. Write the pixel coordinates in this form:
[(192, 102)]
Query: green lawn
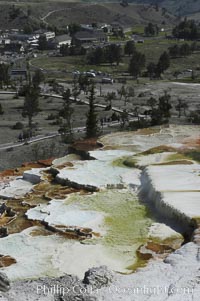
[(152, 48), (71, 63)]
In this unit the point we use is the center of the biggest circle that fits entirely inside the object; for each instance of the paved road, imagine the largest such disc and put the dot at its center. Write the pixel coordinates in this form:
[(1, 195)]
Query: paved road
[(115, 109), (32, 140)]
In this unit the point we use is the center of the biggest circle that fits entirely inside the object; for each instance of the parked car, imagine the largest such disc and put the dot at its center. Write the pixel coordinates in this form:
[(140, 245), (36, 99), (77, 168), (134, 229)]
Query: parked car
[(107, 80), (90, 74), (76, 73)]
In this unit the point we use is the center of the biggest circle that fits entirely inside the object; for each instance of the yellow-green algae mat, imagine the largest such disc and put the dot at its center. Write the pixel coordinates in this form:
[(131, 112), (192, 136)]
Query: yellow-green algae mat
[(125, 225)]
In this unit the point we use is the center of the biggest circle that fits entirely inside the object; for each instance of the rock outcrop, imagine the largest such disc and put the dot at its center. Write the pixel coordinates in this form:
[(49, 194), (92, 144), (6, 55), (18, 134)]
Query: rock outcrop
[(65, 288), (4, 283), (98, 277)]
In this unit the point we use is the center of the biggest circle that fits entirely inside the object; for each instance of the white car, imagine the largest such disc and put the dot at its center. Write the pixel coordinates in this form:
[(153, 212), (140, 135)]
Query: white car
[(76, 72), (107, 80), (90, 74)]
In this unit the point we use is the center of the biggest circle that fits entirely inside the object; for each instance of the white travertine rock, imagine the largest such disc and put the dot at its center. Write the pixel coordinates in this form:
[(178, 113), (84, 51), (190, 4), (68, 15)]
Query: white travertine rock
[(15, 188), (63, 160), (153, 158), (162, 232), (175, 279), (59, 213), (174, 189), (99, 174), (134, 141), (109, 155)]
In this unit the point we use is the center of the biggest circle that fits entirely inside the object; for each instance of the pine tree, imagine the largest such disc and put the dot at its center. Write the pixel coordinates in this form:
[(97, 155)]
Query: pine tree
[(163, 63), (109, 97), (91, 123), (136, 64), (38, 77), (67, 111), (1, 110), (43, 43), (4, 74), (129, 48), (165, 105), (31, 104)]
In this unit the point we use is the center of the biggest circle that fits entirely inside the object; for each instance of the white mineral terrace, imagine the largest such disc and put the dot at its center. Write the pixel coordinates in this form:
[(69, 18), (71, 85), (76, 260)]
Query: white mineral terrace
[(175, 279), (57, 212), (101, 172), (173, 190), (15, 188)]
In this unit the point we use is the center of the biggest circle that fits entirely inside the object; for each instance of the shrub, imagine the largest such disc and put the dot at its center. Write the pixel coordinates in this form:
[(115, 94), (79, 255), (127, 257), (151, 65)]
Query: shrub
[(18, 126), (1, 110)]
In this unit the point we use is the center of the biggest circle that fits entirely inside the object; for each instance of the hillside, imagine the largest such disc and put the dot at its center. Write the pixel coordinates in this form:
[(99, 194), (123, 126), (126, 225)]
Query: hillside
[(177, 7), (113, 12), (62, 13)]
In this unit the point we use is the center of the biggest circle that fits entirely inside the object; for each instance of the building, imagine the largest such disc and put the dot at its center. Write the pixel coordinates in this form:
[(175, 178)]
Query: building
[(61, 40), (89, 37), (107, 28), (20, 37), (13, 48), (18, 74), (48, 34), (116, 27), (4, 41)]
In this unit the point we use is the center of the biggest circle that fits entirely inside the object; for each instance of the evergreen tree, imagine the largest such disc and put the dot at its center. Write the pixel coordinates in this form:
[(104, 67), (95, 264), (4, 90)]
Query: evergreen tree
[(31, 104), (152, 70), (84, 83), (126, 93), (151, 30), (136, 64), (91, 123), (38, 78), (73, 28), (109, 97), (122, 91), (129, 48), (187, 29), (181, 106), (43, 44), (75, 90), (113, 53), (4, 74), (185, 49), (174, 51), (163, 63), (164, 105), (67, 111), (1, 110), (96, 56), (28, 29), (152, 102)]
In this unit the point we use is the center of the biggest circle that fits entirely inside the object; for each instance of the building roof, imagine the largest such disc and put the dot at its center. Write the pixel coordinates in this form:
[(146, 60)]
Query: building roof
[(89, 35), (62, 38)]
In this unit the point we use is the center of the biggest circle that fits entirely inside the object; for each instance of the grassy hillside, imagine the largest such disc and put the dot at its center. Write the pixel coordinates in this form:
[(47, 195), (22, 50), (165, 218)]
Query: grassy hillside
[(62, 13), (113, 12), (178, 7)]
